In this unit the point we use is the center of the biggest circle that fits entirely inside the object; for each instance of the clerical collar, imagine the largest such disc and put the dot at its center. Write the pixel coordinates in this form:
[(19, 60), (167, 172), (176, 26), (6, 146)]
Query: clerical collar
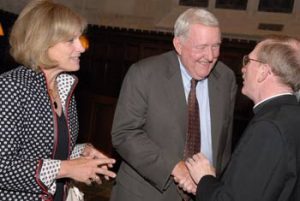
[(269, 98)]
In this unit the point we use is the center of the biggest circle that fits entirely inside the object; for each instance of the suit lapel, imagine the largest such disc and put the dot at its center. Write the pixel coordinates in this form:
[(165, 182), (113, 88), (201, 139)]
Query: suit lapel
[(175, 93)]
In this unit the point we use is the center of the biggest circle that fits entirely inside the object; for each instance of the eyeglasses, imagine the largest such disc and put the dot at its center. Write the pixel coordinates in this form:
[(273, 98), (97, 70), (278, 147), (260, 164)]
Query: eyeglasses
[(246, 60)]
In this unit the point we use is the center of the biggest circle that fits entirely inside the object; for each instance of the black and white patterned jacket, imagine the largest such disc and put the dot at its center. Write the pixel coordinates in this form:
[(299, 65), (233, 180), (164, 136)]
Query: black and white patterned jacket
[(28, 132)]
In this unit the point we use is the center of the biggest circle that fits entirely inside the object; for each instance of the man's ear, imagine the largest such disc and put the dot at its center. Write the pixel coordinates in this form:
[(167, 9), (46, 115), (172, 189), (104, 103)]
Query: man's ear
[(177, 44), (264, 72)]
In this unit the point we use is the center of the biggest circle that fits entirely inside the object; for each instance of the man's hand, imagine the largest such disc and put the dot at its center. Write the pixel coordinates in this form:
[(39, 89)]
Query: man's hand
[(199, 166), (183, 178)]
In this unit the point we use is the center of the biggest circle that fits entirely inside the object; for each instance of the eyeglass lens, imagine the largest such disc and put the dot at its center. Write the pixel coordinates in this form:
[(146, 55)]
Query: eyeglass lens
[(245, 60)]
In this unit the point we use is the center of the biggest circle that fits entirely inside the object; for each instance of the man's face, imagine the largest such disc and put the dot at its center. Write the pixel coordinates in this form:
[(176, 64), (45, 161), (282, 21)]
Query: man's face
[(251, 74), (199, 49)]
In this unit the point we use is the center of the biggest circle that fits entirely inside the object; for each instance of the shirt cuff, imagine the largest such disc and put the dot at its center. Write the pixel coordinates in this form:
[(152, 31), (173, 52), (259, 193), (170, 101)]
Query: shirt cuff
[(48, 174)]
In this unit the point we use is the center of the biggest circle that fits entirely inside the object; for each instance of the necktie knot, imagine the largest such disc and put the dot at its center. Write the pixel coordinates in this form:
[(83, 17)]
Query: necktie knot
[(193, 83)]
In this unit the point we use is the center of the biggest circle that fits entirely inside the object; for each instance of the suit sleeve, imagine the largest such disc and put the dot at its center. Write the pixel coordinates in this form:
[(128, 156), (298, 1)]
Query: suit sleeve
[(130, 137), (257, 170)]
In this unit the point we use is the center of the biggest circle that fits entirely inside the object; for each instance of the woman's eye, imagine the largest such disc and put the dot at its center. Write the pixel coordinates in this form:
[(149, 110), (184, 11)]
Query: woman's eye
[(71, 40)]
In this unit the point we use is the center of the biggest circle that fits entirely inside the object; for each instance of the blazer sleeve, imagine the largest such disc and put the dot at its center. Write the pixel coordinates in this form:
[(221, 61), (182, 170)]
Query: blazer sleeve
[(257, 170)]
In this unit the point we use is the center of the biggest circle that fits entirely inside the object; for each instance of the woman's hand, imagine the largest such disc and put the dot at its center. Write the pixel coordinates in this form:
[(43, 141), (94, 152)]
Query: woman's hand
[(91, 152), (87, 169)]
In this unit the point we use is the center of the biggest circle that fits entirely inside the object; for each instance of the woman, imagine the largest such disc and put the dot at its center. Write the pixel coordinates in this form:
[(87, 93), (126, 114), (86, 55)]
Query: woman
[(38, 118)]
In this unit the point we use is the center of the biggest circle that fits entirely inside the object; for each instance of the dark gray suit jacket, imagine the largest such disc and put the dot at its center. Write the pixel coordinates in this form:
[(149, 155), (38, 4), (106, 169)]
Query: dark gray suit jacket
[(265, 165), (150, 126)]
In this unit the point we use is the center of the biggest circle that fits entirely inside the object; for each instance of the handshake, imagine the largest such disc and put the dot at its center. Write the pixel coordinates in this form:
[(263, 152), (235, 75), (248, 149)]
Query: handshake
[(187, 174)]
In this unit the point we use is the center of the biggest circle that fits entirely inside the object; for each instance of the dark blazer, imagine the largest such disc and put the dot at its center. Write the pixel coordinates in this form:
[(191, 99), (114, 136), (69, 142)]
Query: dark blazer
[(265, 164), (28, 133), (150, 125)]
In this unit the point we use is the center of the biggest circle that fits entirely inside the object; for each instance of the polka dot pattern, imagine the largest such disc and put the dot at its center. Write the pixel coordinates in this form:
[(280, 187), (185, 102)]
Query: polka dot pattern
[(27, 171), (77, 150)]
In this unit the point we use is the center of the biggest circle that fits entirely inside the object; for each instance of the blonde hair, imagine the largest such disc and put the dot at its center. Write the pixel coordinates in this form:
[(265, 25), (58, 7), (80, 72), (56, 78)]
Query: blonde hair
[(40, 25)]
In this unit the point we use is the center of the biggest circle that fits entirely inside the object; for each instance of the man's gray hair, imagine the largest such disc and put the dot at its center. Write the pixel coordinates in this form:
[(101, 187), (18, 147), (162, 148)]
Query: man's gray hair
[(194, 16), (282, 54)]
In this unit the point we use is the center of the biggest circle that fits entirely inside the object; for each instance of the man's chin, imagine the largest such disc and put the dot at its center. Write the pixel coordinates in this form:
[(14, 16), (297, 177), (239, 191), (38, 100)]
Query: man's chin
[(203, 75)]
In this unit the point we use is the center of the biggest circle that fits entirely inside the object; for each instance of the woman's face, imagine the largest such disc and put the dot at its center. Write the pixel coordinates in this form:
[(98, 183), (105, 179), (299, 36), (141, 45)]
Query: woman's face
[(67, 54)]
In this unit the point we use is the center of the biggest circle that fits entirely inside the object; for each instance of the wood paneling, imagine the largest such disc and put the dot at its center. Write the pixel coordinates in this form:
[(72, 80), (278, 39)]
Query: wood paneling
[(96, 116)]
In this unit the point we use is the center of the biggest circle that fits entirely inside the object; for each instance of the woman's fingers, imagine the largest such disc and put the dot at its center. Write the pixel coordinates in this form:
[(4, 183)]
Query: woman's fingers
[(106, 172)]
